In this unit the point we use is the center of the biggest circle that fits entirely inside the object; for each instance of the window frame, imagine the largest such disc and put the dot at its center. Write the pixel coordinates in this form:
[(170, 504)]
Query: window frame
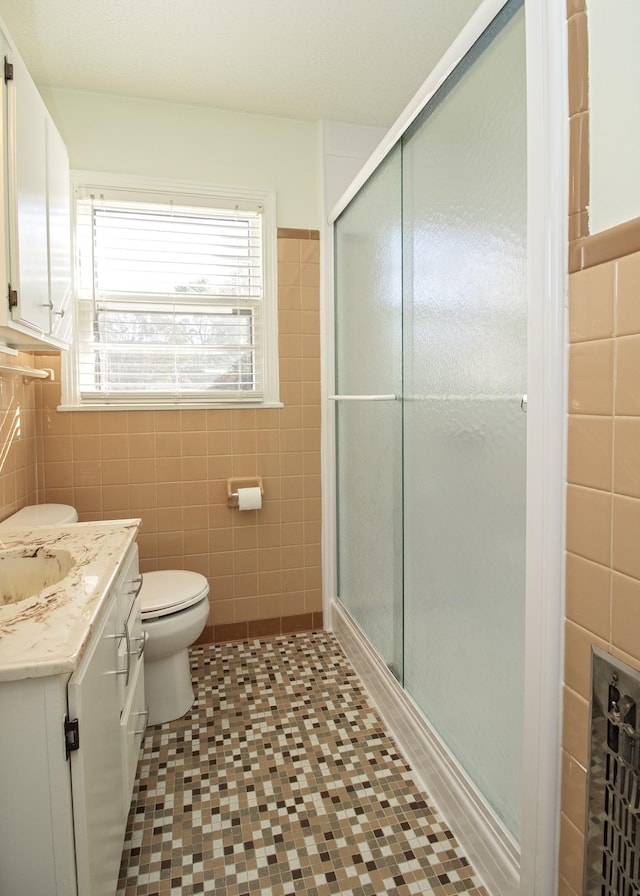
[(194, 193)]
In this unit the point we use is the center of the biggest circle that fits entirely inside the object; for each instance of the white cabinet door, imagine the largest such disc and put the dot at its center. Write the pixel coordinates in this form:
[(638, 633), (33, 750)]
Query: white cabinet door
[(36, 819), (134, 716), (94, 696), (28, 200), (59, 232), (132, 723), (36, 207)]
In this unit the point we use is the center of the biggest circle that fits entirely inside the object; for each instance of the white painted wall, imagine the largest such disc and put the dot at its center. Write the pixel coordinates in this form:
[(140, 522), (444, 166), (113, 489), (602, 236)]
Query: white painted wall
[(345, 148), (614, 123), (195, 143)]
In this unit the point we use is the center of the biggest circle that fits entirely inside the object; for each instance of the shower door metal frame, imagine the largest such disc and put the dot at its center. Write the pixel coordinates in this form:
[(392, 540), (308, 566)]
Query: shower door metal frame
[(548, 170)]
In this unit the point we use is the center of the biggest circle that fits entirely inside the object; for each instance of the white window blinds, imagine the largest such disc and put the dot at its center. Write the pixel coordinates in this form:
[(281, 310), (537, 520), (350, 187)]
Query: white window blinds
[(170, 299)]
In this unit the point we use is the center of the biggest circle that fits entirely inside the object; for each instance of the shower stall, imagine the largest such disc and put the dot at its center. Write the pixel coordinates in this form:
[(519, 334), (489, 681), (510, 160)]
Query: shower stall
[(432, 300)]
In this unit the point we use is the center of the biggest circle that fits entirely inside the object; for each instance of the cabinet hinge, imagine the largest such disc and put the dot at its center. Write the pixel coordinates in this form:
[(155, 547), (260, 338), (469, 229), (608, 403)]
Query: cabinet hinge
[(13, 297), (8, 70), (71, 735)]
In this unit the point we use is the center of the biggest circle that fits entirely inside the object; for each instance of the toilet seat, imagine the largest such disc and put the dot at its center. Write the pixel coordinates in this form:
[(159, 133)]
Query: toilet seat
[(171, 590)]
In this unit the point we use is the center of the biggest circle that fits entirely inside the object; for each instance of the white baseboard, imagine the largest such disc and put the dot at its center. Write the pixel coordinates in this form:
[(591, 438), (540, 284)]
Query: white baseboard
[(488, 846)]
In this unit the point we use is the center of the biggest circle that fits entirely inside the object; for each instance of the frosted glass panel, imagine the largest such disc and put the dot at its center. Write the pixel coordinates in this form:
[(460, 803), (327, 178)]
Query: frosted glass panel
[(464, 177), (368, 247)]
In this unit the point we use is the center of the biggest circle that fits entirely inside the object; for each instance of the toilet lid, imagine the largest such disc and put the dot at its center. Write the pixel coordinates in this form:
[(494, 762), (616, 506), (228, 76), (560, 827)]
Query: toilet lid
[(41, 515), (169, 590)]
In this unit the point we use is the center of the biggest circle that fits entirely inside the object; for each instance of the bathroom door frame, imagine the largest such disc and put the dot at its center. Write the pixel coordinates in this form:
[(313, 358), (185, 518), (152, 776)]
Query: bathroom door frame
[(547, 212)]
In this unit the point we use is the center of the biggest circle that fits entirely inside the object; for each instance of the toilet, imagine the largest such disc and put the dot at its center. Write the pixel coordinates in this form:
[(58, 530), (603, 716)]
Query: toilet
[(41, 515), (174, 613), (175, 608)]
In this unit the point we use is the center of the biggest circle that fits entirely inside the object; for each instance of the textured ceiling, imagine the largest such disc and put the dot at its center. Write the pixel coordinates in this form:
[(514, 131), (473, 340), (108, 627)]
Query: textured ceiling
[(359, 61)]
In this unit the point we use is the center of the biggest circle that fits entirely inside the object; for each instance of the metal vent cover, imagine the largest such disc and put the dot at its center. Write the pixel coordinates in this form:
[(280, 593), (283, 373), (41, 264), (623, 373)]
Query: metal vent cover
[(612, 846)]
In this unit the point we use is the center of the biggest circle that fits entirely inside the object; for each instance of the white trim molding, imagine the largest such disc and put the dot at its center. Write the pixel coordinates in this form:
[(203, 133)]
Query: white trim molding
[(548, 160)]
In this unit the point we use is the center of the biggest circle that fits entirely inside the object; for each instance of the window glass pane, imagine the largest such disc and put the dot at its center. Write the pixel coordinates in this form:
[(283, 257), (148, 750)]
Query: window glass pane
[(166, 351), (169, 299), (146, 252)]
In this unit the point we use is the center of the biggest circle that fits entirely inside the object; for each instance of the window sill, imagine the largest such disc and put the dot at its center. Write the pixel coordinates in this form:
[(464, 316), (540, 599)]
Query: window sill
[(171, 406)]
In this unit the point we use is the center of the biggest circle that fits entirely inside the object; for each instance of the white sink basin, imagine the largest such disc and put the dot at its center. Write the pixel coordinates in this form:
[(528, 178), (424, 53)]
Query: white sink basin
[(23, 576)]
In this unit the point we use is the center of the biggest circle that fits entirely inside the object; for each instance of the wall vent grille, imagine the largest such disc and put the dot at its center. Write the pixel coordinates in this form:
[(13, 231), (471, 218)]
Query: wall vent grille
[(612, 853)]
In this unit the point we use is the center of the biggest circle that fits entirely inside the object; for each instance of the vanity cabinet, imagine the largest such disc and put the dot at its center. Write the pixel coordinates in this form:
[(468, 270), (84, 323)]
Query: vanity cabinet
[(69, 746), (131, 643), (37, 220)]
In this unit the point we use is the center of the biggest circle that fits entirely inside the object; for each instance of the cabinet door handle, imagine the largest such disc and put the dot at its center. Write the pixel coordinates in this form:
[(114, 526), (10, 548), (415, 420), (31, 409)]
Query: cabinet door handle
[(142, 642), (127, 671), (59, 313), (138, 585), (146, 717)]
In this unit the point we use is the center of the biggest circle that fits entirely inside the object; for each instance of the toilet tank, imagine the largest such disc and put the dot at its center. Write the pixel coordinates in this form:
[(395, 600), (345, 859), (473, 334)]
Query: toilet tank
[(41, 515)]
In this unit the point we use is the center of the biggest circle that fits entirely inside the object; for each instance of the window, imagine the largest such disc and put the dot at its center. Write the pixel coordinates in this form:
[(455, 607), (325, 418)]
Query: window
[(175, 299)]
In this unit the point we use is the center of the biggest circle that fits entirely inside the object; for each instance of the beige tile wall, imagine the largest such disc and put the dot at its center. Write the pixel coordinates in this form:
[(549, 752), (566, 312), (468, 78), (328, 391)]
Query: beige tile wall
[(18, 416), (170, 468), (603, 514), (603, 490)]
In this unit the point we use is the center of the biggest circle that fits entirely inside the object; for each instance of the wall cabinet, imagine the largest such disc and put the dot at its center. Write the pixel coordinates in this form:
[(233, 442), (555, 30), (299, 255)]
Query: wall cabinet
[(59, 237), (66, 790), (37, 223)]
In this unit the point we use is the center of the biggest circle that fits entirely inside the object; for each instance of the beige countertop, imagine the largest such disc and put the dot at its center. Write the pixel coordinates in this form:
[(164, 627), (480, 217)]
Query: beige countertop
[(46, 634)]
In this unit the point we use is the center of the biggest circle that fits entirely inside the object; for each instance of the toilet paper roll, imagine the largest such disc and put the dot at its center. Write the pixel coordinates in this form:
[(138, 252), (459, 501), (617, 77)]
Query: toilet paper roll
[(250, 498)]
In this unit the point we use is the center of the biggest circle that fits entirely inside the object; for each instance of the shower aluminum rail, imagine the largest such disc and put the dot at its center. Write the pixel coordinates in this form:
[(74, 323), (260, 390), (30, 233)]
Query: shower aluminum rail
[(363, 397), (521, 398)]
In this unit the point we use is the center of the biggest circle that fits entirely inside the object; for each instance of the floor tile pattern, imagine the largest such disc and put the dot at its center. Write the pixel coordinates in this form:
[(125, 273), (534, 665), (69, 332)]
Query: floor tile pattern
[(282, 780)]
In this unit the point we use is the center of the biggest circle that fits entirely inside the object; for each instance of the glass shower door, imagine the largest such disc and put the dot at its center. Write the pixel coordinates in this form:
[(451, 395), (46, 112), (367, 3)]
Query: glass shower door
[(368, 254), (465, 358)]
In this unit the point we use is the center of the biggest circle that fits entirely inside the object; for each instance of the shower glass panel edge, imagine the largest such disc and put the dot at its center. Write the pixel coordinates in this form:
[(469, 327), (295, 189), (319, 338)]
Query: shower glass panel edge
[(368, 339), (513, 663), (465, 363)]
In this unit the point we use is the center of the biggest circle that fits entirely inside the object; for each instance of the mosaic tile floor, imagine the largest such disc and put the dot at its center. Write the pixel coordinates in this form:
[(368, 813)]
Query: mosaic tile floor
[(282, 780)]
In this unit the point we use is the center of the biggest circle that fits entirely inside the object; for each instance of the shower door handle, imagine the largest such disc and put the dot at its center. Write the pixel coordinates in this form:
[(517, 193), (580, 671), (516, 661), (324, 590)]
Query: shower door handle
[(363, 397)]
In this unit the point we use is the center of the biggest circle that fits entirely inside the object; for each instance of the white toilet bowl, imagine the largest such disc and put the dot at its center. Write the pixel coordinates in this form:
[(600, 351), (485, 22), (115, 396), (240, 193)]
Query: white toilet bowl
[(174, 613)]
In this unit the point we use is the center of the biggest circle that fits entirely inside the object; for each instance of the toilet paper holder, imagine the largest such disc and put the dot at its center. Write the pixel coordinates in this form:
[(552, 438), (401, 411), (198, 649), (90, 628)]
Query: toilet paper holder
[(242, 482)]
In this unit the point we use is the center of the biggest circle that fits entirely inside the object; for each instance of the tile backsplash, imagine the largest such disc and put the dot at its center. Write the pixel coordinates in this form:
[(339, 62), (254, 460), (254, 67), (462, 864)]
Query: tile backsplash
[(170, 468), (18, 437)]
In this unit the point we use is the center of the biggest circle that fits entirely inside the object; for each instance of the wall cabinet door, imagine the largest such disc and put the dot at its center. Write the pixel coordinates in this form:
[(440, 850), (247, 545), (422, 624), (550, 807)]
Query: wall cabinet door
[(37, 310), (59, 235), (27, 201)]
